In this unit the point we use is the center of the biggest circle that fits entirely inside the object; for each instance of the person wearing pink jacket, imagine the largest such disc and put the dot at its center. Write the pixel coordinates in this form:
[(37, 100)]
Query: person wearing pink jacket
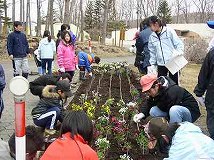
[(66, 57)]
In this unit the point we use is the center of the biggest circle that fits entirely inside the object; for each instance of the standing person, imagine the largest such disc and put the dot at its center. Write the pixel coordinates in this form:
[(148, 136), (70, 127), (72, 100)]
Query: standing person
[(47, 49), (166, 99), (142, 54), (66, 57), (76, 135), (84, 63), (206, 84), (164, 44), (2, 86), (18, 50), (185, 140)]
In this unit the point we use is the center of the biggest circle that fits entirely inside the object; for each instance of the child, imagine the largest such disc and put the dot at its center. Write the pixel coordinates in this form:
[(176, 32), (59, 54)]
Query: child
[(47, 48), (66, 57), (2, 85)]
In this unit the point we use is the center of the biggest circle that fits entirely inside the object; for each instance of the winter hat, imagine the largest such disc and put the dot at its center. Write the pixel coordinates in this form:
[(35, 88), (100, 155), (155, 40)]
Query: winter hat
[(158, 126), (210, 24), (147, 81), (65, 87)]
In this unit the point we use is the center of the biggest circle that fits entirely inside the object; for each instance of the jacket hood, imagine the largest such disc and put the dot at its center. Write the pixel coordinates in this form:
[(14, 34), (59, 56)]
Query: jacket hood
[(186, 127), (50, 92), (166, 82)]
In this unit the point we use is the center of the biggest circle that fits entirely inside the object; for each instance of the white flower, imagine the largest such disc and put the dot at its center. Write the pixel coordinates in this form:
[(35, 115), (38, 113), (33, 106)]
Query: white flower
[(123, 110), (125, 157), (138, 117), (131, 104), (100, 141)]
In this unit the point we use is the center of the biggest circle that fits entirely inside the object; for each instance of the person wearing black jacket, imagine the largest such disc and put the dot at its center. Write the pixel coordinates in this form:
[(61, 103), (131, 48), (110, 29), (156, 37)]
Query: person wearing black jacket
[(206, 84), (166, 99), (37, 86)]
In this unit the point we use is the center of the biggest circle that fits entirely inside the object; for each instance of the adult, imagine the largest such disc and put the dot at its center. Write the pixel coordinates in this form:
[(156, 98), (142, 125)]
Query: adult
[(142, 53), (37, 86), (206, 84), (66, 57), (49, 109), (2, 86), (18, 50), (185, 140), (164, 44), (46, 50), (76, 135), (84, 62), (166, 99)]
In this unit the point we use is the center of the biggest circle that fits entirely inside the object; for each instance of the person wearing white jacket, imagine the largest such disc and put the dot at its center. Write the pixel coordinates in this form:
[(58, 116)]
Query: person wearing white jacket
[(47, 49), (164, 44)]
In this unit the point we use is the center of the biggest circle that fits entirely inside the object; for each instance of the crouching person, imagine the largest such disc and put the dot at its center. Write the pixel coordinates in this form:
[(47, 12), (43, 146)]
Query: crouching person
[(76, 134), (166, 99), (49, 109), (184, 140)]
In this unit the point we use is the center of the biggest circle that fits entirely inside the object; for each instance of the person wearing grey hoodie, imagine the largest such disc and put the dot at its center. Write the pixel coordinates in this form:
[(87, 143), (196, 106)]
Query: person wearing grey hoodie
[(47, 49)]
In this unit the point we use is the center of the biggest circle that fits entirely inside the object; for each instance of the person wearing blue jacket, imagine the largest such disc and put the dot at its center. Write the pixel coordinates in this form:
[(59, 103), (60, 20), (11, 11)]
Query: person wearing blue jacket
[(18, 50), (46, 49), (185, 141), (164, 44), (2, 86), (84, 63)]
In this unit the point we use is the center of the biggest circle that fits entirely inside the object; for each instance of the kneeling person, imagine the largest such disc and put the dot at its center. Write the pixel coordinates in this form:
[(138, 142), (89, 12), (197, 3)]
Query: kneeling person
[(49, 109)]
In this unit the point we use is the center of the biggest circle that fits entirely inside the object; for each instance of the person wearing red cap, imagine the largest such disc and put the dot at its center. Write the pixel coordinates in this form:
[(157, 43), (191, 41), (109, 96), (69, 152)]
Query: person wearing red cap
[(166, 99), (206, 84), (184, 141), (76, 134)]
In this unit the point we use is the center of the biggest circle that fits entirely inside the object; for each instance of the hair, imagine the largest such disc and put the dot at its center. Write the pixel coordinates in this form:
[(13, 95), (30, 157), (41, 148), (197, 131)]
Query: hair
[(144, 24), (47, 34), (64, 76), (17, 23), (64, 27), (97, 60), (77, 122), (63, 36), (34, 140), (155, 19)]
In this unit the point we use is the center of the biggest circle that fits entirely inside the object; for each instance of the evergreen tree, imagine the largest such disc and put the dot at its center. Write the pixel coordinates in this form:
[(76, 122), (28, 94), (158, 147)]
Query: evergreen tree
[(89, 16), (164, 11), (98, 6)]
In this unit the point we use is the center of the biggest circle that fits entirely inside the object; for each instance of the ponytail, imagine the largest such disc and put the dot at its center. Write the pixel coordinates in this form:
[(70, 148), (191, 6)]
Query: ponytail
[(49, 38), (47, 34)]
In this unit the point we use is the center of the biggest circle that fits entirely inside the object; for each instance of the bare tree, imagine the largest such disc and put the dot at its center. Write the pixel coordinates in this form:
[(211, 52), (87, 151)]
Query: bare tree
[(72, 5), (21, 10), (66, 12), (39, 23), (178, 5), (47, 23), (153, 6), (6, 18), (82, 20), (51, 18), (28, 22), (13, 10), (105, 21), (186, 10), (60, 6)]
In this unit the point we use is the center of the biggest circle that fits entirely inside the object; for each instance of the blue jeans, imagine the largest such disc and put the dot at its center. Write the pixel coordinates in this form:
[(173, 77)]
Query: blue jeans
[(49, 119), (176, 113), (45, 62)]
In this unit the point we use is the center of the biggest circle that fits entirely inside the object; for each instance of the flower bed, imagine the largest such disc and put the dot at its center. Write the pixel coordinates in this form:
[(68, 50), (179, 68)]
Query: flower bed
[(111, 98)]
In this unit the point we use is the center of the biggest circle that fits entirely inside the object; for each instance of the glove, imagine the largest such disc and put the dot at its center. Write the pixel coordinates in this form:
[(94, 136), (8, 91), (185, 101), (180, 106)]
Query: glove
[(90, 74), (138, 117), (11, 57), (201, 101), (131, 104), (62, 70), (152, 69), (77, 67)]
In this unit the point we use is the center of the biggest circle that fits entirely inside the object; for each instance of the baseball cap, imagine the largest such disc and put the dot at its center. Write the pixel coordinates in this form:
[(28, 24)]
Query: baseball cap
[(210, 24), (65, 87), (147, 81), (158, 126)]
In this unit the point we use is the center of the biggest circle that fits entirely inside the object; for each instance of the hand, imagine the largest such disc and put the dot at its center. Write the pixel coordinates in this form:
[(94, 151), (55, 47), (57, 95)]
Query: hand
[(11, 57), (138, 117), (29, 55), (201, 101), (62, 70), (77, 67), (176, 53), (90, 74), (152, 69)]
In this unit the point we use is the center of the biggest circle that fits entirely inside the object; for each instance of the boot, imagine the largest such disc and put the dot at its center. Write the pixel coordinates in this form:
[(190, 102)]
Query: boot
[(25, 75), (82, 75)]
